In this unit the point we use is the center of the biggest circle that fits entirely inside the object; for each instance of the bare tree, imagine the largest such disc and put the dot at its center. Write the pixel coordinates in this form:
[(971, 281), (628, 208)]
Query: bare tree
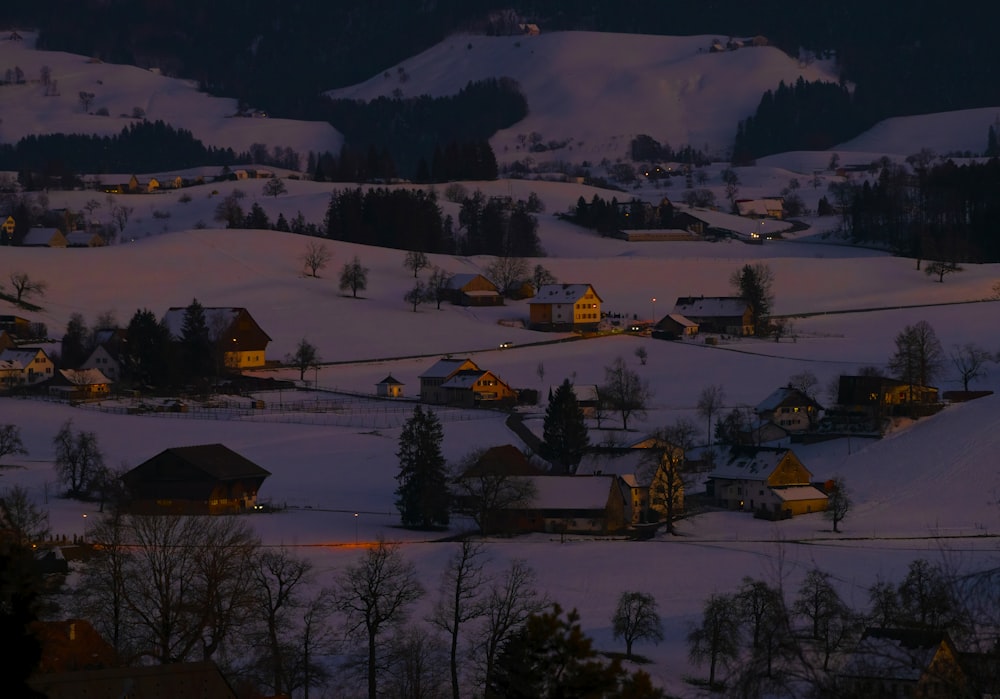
[(10, 441), (716, 639), (316, 257), (624, 392), (417, 295), (805, 381), (304, 358), (275, 187), (279, 579), (25, 286), (831, 620), (667, 470), (838, 502), (510, 600), (941, 270), (709, 403), (484, 490), (86, 99), (506, 272), (120, 216), (461, 601), (540, 277), (437, 286), (25, 521), (79, 461), (969, 359), (373, 595), (416, 261), (187, 584), (354, 276), (636, 619), (918, 356), (100, 595)]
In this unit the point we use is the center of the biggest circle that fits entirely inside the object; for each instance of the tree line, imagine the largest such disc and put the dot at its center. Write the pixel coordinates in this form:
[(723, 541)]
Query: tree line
[(139, 147), (945, 212)]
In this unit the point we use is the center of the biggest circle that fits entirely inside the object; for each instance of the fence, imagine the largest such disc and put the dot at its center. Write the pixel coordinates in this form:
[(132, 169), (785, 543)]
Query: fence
[(342, 411)]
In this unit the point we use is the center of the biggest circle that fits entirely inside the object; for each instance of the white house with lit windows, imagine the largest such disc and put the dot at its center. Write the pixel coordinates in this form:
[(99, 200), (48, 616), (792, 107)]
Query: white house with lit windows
[(565, 307)]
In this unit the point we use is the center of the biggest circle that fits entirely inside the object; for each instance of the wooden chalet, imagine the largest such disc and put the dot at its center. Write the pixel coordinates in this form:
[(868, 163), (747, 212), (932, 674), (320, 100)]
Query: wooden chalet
[(207, 479), (473, 290)]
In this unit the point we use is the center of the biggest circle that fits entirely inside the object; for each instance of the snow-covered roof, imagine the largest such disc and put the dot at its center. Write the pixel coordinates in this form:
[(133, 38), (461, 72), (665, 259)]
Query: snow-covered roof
[(786, 395), (23, 355), (445, 367), (390, 380), (562, 293), (464, 379), (84, 377), (756, 467), (893, 654), (710, 306), (457, 281), (571, 492), (40, 236), (8, 365), (795, 493), (681, 320), (618, 463)]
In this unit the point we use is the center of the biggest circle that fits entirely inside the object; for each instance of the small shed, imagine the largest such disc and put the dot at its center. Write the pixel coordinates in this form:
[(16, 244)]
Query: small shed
[(389, 387)]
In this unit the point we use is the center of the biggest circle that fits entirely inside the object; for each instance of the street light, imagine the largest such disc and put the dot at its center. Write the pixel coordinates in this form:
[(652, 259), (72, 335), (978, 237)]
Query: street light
[(355, 528), (84, 527), (654, 310)]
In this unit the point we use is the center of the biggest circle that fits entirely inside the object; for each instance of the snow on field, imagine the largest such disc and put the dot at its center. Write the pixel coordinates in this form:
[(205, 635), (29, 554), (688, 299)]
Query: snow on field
[(927, 480)]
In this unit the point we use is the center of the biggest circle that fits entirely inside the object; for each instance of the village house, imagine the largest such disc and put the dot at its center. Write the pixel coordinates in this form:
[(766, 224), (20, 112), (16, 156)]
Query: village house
[(572, 505), (473, 290), (33, 365), (906, 662), (791, 409), (44, 238), (239, 340), (85, 239), (772, 483), (15, 326), (207, 479), (460, 383), (674, 326), (80, 385), (106, 356), (727, 315), (769, 207), (565, 307)]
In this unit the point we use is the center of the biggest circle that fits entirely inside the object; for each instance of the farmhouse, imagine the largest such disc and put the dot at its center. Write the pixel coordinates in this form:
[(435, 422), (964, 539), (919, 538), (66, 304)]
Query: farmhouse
[(44, 238), (674, 326), (729, 315), (915, 662), (473, 290), (791, 409), (389, 387), (572, 504), (772, 207), (84, 239), (769, 482), (82, 384), (564, 307), (239, 340), (208, 479)]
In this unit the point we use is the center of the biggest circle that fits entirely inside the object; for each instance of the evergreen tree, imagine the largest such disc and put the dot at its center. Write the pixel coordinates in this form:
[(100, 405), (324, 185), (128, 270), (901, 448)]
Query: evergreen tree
[(753, 282), (196, 342), (147, 349), (565, 437), (422, 497)]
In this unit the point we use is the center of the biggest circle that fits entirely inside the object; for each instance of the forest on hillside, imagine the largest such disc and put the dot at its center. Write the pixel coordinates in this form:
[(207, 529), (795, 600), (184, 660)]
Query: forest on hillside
[(280, 56)]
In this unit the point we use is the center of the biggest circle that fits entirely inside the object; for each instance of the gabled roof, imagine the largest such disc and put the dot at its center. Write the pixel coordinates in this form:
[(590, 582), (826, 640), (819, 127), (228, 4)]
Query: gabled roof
[(757, 466), (894, 654), (214, 460), (467, 378), (505, 460), (786, 396), (679, 320), (562, 293), (794, 493), (390, 380), (43, 236), (445, 367), (77, 238), (624, 462), (24, 355), (84, 377), (710, 306), (457, 281), (217, 319), (571, 492)]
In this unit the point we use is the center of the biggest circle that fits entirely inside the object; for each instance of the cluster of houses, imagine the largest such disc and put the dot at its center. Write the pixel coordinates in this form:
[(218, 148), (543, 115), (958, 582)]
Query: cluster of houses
[(42, 237), (238, 339)]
